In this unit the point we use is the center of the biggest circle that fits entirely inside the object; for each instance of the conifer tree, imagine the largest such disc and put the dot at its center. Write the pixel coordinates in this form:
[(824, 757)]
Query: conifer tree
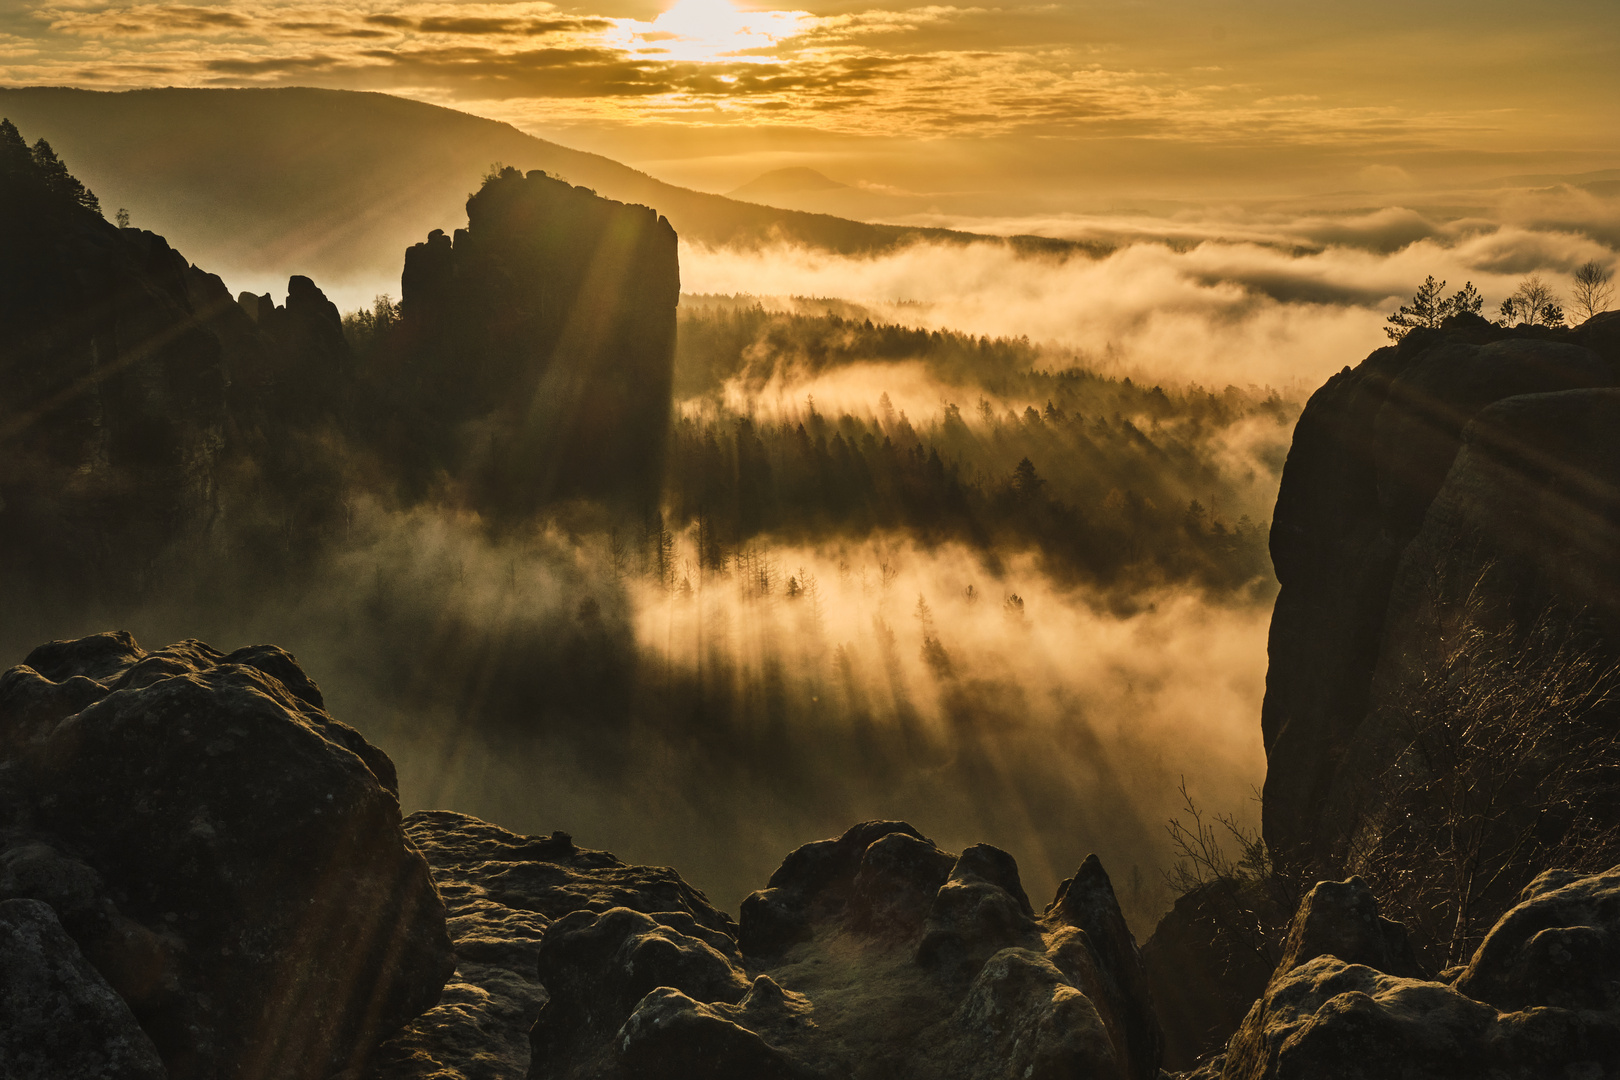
[(51, 169), (1429, 309), (14, 157)]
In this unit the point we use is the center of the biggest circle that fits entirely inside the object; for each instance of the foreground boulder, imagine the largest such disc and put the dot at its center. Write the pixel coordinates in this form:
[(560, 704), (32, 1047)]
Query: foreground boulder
[(228, 856), (1539, 999)]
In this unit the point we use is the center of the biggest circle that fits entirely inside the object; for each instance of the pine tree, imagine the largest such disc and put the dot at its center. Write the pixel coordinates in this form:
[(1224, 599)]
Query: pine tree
[(14, 157), (1426, 310), (1429, 309), (54, 173)]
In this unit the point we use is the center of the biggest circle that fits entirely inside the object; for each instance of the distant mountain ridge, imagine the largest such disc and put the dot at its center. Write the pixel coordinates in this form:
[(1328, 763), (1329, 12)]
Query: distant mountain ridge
[(784, 182), (336, 183)]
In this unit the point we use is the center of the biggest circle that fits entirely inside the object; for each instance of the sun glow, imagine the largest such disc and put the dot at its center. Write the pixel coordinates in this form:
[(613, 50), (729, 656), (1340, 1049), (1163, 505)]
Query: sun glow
[(702, 31)]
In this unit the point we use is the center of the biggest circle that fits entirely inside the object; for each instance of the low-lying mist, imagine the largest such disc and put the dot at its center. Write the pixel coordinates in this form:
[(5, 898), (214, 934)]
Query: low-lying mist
[(712, 719), (955, 580), (1271, 299)]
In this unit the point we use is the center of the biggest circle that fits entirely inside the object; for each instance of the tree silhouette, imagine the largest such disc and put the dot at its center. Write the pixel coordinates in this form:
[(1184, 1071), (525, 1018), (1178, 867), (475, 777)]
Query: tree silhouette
[(14, 157), (51, 169), (1593, 289), (1532, 304), (1429, 308)]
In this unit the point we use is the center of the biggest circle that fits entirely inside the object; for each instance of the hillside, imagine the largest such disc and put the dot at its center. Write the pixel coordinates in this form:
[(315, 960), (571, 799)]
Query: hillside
[(261, 184)]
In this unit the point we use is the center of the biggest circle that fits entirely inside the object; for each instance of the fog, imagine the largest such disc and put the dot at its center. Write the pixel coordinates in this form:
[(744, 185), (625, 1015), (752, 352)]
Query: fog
[(1270, 298), (970, 666), (714, 719)]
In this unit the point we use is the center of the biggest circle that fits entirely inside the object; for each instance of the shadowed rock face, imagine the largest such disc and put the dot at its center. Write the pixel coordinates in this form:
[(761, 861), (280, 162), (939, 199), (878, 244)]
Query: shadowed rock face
[(224, 853), (62, 1020), (1373, 468), (127, 378), (548, 324), (113, 414)]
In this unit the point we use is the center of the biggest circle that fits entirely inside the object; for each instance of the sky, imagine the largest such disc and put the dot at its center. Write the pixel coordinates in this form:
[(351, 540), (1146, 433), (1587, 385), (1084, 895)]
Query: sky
[(1037, 108)]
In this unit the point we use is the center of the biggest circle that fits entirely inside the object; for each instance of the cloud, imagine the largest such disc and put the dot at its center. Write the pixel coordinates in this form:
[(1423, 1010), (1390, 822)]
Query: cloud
[(149, 19), (1264, 310)]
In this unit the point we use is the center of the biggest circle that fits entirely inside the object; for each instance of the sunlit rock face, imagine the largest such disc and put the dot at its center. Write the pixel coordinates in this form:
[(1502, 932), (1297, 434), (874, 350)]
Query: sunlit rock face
[(223, 853), (1537, 1000), (1408, 478), (541, 342)]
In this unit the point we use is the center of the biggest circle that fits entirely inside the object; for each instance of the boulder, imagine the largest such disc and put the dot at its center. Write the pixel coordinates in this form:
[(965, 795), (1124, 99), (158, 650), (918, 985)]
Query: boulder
[(502, 891), (1559, 947), (1341, 919), (597, 967), (898, 877), (62, 1020), (1023, 1020), (229, 855), (1328, 1020), (815, 882), (671, 1036), (1539, 998), (980, 910)]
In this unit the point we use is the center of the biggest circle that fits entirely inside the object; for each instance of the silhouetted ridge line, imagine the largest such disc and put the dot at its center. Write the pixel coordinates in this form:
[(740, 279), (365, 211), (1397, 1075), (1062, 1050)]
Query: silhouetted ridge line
[(253, 167)]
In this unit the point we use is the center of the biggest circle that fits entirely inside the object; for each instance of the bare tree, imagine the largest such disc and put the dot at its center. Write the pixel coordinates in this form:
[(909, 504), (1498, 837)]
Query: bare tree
[(1593, 289), (1533, 304)]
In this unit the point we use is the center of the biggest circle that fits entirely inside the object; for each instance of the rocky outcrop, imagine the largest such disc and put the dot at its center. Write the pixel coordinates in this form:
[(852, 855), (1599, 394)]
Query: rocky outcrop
[(113, 418), (1539, 999), (1384, 472), (539, 344), (502, 892), (225, 854), (1341, 919), (870, 954), (128, 378)]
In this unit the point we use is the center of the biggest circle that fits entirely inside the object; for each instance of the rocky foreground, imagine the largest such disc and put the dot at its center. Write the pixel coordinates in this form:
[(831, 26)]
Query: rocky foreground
[(203, 874)]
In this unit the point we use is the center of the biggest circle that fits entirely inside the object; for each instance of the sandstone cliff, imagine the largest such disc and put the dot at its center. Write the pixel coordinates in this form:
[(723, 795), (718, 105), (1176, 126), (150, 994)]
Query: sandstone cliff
[(539, 343), (1458, 456)]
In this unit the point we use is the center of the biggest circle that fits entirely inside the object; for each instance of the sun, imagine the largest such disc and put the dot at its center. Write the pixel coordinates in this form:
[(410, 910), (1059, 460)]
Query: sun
[(707, 30)]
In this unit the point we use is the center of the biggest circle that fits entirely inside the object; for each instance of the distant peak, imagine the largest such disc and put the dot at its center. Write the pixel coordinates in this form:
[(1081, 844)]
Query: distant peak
[(785, 182)]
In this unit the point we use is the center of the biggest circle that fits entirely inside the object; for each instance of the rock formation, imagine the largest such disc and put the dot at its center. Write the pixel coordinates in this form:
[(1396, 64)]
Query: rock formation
[(130, 378), (142, 404), (871, 954), (1438, 713), (539, 343), (224, 854), (1537, 1000), (625, 971), (1410, 475)]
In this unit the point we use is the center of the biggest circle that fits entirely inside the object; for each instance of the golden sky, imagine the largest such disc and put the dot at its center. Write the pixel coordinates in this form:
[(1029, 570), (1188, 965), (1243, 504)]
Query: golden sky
[(1055, 102)]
